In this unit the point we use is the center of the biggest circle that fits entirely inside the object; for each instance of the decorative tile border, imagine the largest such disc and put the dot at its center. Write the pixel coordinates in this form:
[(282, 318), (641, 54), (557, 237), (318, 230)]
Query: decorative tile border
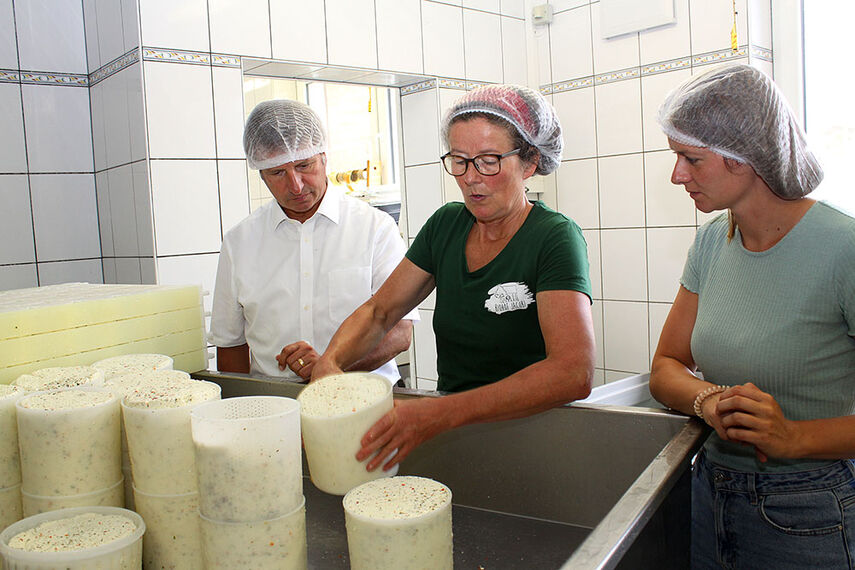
[(420, 86), (761, 53), (115, 66), (222, 60), (65, 79), (176, 56), (719, 56), (451, 83), (665, 66), (613, 76), (9, 76)]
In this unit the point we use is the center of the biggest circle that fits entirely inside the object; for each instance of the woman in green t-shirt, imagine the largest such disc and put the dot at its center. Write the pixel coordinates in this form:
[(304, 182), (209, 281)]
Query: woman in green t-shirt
[(512, 317)]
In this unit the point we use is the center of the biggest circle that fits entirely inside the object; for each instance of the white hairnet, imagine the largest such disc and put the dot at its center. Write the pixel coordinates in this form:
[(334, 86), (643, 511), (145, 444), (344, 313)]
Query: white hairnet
[(281, 131), (738, 112), (527, 110)]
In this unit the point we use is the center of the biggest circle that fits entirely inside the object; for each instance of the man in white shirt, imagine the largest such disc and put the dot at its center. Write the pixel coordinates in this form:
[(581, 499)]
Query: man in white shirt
[(294, 269)]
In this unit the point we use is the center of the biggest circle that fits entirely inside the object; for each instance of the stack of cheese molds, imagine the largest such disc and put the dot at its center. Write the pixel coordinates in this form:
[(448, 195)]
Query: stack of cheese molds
[(78, 323)]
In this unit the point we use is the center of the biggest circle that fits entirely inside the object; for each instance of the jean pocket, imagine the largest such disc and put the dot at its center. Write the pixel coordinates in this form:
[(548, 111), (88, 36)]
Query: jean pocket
[(809, 513)]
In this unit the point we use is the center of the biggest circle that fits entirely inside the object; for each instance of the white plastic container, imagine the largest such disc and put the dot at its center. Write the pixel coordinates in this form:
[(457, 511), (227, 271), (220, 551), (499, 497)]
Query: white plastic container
[(401, 522), (70, 444), (278, 544), (248, 457), (112, 496), (10, 461), (336, 411), (172, 537), (10, 505), (160, 443), (124, 553)]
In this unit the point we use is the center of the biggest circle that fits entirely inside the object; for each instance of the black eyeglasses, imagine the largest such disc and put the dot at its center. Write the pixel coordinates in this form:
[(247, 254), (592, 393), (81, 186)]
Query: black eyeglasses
[(486, 164)]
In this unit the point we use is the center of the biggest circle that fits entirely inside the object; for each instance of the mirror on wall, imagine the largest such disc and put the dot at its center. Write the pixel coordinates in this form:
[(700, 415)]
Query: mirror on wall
[(362, 129)]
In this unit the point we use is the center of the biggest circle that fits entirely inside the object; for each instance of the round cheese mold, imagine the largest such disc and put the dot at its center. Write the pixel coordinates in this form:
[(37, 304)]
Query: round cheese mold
[(400, 522)]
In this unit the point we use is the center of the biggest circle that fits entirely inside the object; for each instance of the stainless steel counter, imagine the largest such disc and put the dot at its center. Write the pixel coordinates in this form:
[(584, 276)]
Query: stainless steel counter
[(582, 486)]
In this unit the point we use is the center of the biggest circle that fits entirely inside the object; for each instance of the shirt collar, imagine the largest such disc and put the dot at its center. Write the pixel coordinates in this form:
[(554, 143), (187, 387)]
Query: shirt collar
[(330, 208)]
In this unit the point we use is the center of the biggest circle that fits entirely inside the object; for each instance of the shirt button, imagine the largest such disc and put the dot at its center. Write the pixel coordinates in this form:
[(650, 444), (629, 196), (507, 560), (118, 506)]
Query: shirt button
[(306, 308)]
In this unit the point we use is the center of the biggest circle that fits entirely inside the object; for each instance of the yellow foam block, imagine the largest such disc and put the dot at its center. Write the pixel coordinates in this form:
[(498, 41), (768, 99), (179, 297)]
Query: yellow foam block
[(39, 310), (185, 344), (33, 348)]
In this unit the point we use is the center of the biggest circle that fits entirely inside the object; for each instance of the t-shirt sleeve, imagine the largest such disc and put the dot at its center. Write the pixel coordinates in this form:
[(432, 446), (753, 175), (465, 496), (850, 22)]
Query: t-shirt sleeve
[(227, 319), (690, 279), (421, 250), (563, 263), (844, 282)]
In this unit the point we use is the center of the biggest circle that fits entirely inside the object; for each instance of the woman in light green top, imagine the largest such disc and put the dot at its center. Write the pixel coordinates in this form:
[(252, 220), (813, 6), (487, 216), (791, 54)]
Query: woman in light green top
[(766, 312)]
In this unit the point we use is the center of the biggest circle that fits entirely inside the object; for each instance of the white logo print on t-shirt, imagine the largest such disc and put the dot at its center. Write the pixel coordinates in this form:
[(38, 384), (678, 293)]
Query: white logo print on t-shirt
[(506, 297)]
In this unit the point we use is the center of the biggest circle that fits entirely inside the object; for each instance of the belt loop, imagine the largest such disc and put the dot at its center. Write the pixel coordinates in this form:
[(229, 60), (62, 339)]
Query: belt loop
[(752, 488)]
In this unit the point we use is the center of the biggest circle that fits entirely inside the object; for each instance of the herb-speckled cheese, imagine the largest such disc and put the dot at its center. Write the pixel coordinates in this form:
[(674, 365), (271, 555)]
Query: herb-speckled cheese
[(80, 532), (126, 363), (60, 377), (342, 394), (65, 400), (397, 498), (170, 393)]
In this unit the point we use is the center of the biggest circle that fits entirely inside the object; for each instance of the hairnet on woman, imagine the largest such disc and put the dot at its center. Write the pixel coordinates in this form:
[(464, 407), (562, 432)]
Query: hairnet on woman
[(765, 313), (512, 319)]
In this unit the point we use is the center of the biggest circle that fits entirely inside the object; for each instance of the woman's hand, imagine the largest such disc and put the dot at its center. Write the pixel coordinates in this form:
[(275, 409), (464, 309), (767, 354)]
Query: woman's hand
[(751, 416), (409, 424), (299, 357)]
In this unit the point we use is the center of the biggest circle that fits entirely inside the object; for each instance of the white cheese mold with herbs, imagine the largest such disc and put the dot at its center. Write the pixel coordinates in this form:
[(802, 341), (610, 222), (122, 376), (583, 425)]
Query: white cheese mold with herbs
[(336, 411)]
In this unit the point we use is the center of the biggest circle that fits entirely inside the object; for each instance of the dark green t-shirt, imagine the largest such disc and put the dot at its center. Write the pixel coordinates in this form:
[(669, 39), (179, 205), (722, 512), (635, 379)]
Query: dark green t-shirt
[(485, 321)]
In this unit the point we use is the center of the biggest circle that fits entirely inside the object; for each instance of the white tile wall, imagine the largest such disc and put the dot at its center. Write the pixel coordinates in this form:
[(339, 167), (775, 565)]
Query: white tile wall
[(615, 53), (99, 141), (576, 111), (442, 31), (189, 270), (228, 111), (81, 271), (127, 270), (760, 23), (59, 131), (619, 117), (515, 8), (667, 42), (148, 270), (117, 127), (234, 192), (351, 33), (65, 216), (621, 191), (130, 23), (577, 192), (424, 194), (571, 47), (240, 27), (90, 30), (482, 39), (110, 31), (122, 213), (105, 224), (597, 316), (186, 206), (16, 225), (142, 209), (514, 51), (298, 30), (164, 26), (13, 156), (485, 5), (18, 276), (666, 255), (625, 336), (711, 23), (8, 41), (50, 36), (624, 265), (420, 118), (399, 35), (667, 204), (180, 110)]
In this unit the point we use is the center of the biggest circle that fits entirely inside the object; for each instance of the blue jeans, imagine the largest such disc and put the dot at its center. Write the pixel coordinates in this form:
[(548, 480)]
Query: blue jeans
[(778, 521)]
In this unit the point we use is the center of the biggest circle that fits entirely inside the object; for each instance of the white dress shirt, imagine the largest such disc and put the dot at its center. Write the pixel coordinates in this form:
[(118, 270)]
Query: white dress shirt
[(280, 281)]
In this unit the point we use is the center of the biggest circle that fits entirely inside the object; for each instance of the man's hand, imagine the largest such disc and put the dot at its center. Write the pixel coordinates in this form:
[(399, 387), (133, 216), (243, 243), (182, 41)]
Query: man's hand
[(299, 357)]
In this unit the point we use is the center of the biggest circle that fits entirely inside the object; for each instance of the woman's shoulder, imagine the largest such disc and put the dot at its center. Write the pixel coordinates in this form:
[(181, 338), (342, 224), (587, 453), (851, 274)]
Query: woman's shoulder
[(549, 218)]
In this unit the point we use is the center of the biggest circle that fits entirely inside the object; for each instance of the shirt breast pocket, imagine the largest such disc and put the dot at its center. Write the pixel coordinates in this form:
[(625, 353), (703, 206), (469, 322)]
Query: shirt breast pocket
[(348, 289)]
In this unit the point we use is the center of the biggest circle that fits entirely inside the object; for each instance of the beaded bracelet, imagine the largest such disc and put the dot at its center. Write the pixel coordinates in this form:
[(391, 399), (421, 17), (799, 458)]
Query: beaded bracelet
[(706, 393)]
